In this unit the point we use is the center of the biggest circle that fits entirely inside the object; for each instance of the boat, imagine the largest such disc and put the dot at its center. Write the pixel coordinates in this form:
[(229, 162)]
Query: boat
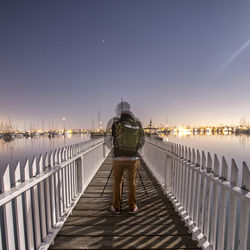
[(8, 136), (96, 134), (28, 134), (19, 135), (36, 134), (51, 134), (150, 130)]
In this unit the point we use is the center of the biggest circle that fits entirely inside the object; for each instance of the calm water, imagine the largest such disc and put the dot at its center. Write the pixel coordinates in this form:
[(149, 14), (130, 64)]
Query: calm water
[(20, 149), (229, 146)]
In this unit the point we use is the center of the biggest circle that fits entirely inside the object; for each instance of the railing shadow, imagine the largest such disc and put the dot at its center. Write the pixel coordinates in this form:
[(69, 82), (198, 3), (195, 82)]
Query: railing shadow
[(93, 226)]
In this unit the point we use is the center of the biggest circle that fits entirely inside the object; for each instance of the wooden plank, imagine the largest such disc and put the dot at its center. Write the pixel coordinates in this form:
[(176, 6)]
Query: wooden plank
[(143, 206), (133, 242), (119, 221), (125, 230)]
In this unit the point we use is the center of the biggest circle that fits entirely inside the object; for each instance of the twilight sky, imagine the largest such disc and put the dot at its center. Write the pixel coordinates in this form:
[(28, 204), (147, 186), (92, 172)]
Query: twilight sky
[(185, 62)]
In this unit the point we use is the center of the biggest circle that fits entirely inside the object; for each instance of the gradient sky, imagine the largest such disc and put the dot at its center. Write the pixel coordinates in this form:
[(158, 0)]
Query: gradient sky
[(177, 61)]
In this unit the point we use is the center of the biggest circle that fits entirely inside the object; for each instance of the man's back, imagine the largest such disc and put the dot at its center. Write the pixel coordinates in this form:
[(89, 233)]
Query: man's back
[(128, 136)]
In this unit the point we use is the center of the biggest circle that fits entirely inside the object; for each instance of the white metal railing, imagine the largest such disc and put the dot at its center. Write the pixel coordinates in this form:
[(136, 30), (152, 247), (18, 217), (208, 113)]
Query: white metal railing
[(213, 206), (34, 208)]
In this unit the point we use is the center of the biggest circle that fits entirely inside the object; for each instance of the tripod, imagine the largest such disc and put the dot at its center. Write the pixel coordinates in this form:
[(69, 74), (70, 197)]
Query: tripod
[(122, 183)]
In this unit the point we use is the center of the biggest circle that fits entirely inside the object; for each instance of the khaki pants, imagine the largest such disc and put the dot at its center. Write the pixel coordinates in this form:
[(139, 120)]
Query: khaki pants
[(118, 169)]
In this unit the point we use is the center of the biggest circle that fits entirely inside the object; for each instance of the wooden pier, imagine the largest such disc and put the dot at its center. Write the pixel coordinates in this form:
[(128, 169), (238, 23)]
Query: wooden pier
[(92, 226)]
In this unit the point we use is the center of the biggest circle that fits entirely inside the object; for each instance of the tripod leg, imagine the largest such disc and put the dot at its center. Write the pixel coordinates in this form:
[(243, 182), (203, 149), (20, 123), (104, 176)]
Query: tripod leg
[(106, 182), (142, 182)]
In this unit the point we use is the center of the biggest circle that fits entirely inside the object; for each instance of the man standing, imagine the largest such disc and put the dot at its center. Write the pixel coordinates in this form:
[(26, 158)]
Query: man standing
[(128, 138)]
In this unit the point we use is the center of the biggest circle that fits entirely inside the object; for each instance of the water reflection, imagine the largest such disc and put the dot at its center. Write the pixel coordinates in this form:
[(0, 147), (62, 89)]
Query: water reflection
[(20, 149), (230, 145)]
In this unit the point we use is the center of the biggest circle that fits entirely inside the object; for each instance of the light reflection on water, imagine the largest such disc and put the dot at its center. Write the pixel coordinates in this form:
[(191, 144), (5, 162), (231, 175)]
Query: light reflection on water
[(20, 149), (229, 146)]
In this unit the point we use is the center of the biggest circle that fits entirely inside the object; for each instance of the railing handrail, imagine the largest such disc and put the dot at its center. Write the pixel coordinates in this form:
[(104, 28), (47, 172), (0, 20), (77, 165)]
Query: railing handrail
[(239, 191), (28, 184)]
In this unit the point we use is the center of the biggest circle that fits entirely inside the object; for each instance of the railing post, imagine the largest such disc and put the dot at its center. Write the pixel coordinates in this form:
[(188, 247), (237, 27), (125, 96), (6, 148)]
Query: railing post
[(202, 188), (207, 208), (36, 212), (244, 210), (222, 214), (232, 208), (165, 173), (192, 193), (8, 213), (19, 211), (64, 199), (197, 190), (28, 210), (214, 228), (188, 176), (80, 177), (57, 186), (47, 195), (60, 183), (184, 178), (52, 190), (42, 199)]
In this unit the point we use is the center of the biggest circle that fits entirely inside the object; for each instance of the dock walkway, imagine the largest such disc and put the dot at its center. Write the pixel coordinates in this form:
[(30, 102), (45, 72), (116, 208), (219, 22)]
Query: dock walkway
[(92, 226)]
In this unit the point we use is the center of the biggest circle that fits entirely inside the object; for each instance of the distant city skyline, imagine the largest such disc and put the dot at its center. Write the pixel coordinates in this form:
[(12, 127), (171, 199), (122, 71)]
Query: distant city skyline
[(50, 125), (176, 62)]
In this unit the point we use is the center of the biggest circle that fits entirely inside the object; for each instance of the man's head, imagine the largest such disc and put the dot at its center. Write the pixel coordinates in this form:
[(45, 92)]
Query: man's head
[(122, 107)]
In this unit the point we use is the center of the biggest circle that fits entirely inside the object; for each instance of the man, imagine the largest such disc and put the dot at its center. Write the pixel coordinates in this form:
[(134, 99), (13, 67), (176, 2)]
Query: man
[(128, 138)]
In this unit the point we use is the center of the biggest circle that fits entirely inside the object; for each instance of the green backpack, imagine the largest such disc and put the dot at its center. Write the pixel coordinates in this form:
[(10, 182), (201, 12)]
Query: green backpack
[(128, 134)]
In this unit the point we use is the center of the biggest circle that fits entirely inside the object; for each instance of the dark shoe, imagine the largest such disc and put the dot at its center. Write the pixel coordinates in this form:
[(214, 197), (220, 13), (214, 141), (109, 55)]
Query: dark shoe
[(133, 210), (115, 210)]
